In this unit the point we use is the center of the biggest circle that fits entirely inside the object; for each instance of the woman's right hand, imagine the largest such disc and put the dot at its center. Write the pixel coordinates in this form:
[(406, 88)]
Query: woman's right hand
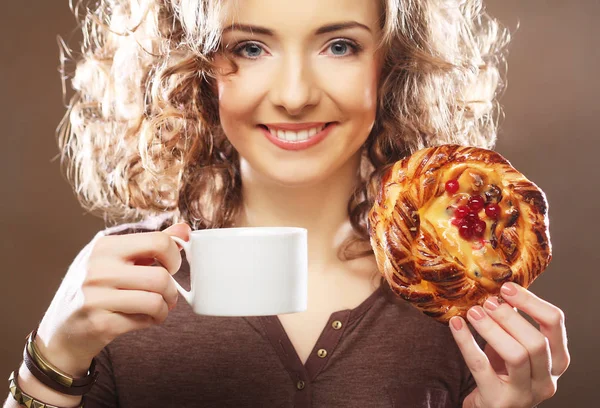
[(114, 286)]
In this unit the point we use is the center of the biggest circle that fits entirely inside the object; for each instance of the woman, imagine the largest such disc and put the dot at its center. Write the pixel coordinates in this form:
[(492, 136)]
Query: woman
[(264, 113)]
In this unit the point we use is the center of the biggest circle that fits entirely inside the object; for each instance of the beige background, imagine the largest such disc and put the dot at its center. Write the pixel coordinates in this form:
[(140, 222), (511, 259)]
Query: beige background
[(549, 133)]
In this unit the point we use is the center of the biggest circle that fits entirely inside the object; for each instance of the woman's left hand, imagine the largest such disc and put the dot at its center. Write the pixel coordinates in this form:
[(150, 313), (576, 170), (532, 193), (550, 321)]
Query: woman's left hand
[(520, 365)]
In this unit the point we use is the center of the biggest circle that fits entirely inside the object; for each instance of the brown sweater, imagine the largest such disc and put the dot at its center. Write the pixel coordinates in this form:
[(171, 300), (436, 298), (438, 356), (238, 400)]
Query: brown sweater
[(384, 353)]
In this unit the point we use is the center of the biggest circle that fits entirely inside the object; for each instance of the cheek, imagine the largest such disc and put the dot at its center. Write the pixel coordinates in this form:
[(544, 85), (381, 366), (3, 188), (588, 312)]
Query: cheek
[(240, 94), (354, 89)]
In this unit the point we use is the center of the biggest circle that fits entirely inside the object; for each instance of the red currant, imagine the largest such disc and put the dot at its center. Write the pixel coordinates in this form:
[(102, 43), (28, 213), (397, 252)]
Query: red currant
[(479, 228), (492, 211), (452, 186), (476, 203), (456, 222), (461, 212), (465, 231), (472, 218)]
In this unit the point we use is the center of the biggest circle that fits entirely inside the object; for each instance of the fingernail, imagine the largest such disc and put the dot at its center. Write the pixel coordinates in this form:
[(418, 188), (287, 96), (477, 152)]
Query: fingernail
[(509, 289), (477, 313), (491, 303), (457, 323)]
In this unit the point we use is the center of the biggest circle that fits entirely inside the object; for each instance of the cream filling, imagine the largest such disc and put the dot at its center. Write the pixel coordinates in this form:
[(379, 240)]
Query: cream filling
[(477, 256)]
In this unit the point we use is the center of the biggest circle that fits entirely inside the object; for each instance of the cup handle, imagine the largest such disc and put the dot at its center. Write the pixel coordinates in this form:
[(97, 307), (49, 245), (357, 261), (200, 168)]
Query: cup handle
[(187, 247)]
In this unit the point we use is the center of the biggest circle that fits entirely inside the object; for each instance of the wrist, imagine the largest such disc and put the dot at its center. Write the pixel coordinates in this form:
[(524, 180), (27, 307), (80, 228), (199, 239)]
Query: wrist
[(54, 377), (59, 356), (32, 386)]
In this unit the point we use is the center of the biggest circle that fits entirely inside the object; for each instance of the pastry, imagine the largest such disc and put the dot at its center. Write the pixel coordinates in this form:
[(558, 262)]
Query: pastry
[(451, 224)]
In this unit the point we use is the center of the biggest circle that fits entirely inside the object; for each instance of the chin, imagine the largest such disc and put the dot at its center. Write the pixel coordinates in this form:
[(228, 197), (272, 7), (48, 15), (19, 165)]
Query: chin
[(288, 175)]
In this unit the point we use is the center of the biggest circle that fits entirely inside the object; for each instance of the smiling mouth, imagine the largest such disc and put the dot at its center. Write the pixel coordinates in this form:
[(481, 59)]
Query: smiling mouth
[(295, 135)]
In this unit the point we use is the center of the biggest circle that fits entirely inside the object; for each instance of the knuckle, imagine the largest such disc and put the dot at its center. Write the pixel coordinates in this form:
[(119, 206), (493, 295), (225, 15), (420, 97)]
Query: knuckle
[(560, 368), (142, 322), (92, 266), (557, 317), (156, 305), (161, 314), (567, 360), (518, 357), (158, 280), (94, 273), (149, 281), (540, 347), (477, 364), (161, 242), (164, 280), (100, 245), (86, 304)]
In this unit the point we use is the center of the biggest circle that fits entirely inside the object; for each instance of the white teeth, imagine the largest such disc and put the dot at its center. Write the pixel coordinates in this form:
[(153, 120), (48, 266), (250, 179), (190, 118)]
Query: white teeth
[(289, 135), (292, 136)]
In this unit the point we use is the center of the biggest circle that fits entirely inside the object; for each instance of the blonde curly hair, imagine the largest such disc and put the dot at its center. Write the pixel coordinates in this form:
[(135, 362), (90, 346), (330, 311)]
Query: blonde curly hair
[(141, 136)]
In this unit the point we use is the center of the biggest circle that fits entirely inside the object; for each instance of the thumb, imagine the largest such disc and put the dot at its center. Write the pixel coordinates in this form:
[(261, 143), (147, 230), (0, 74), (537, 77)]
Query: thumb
[(180, 230)]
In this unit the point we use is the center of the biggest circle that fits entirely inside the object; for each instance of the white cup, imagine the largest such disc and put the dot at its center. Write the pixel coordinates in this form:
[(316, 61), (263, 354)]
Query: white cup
[(257, 271)]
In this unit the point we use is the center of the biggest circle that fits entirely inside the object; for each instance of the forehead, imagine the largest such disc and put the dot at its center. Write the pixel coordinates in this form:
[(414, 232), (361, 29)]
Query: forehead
[(297, 16)]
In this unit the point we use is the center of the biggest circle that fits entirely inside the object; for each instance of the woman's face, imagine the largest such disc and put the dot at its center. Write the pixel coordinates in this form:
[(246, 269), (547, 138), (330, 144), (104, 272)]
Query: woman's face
[(304, 98)]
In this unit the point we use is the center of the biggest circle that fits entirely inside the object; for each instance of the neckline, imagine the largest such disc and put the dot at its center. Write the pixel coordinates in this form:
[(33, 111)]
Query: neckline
[(365, 305), (327, 340)]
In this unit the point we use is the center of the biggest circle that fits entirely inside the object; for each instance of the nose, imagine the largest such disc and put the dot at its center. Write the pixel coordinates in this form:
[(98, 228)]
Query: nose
[(294, 87)]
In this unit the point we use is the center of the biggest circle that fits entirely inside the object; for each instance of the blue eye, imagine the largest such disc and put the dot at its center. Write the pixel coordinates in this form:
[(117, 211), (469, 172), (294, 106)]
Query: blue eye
[(342, 48), (248, 50), (339, 47)]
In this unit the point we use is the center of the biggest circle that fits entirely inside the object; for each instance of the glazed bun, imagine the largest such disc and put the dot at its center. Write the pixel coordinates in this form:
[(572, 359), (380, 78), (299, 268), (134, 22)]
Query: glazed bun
[(452, 223)]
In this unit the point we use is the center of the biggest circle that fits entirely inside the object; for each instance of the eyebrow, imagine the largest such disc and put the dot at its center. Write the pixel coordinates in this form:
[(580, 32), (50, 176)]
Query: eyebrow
[(253, 29)]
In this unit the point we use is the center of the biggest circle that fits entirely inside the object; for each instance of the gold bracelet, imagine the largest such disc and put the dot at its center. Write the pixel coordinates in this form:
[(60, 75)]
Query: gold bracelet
[(25, 399), (51, 376), (48, 369)]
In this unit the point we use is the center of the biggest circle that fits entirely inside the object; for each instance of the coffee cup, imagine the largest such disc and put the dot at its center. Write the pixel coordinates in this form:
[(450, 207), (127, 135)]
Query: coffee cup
[(249, 271)]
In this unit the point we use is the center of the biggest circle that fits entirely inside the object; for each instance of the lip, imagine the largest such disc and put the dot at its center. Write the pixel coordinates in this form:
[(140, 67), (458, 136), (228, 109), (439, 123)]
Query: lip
[(295, 145)]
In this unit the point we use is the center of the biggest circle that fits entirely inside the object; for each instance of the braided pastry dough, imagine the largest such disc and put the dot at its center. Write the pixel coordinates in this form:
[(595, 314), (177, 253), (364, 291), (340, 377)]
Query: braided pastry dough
[(444, 250)]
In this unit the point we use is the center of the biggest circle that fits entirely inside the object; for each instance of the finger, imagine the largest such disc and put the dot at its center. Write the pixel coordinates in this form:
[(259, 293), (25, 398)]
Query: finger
[(181, 230), (526, 334), (146, 245), (130, 302), (125, 323), (145, 261), (550, 318), (149, 278), (510, 350), (486, 378)]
